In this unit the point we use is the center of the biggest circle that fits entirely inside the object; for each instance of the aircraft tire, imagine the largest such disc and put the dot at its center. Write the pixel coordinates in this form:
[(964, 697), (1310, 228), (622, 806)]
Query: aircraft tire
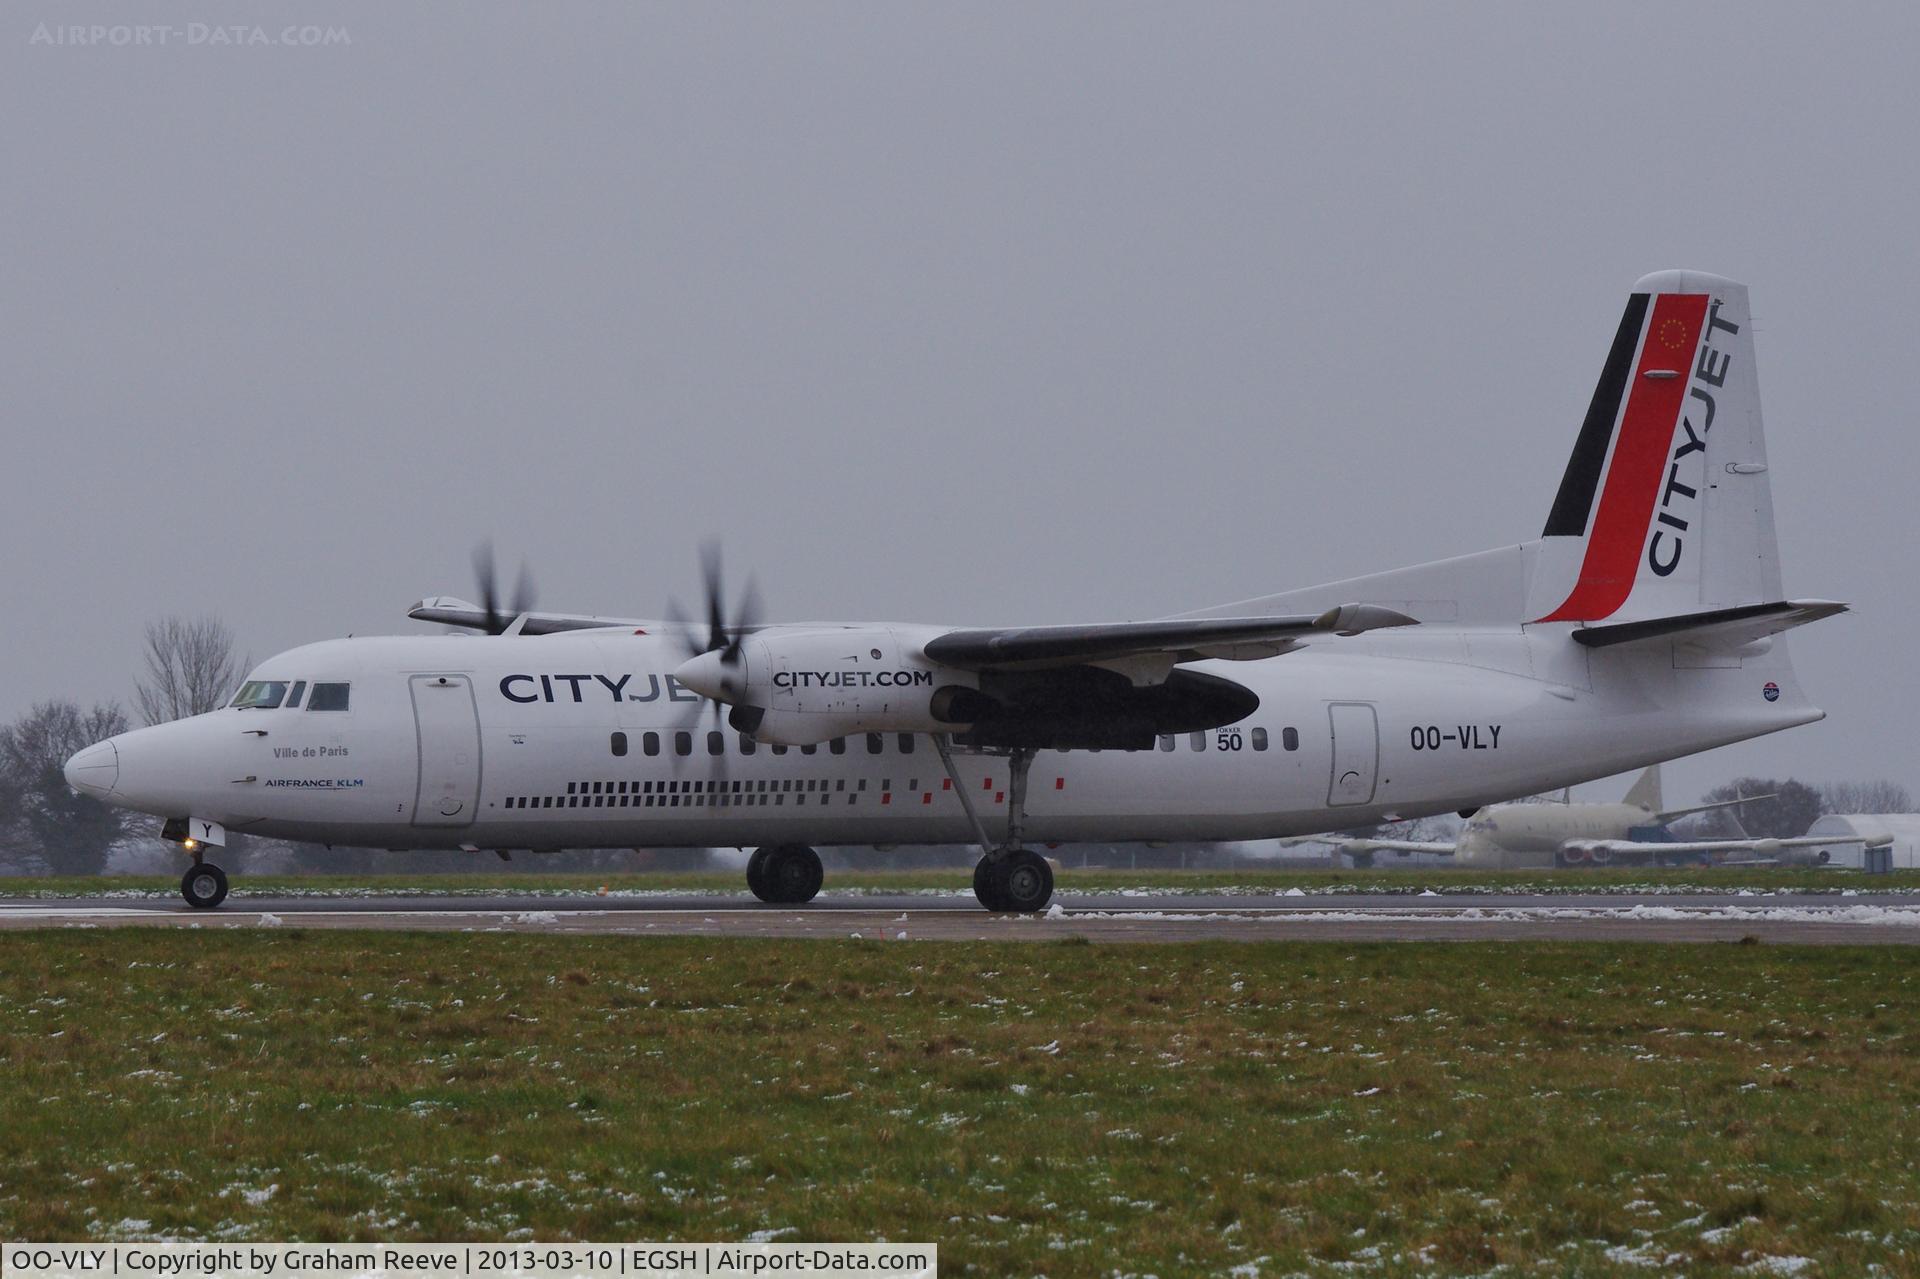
[(204, 886), (1023, 881), (757, 873), (792, 874), (985, 885)]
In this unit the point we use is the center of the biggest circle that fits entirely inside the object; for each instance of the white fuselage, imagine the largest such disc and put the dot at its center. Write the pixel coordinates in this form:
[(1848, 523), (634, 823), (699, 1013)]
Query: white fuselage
[(515, 742)]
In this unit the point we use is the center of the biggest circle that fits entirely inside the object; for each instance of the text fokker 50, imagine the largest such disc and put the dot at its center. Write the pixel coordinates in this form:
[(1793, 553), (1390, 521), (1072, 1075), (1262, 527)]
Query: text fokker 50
[(1642, 625)]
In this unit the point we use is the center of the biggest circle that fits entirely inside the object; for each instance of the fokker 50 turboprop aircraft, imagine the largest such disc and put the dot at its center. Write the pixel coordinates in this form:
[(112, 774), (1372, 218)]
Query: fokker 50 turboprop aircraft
[(1632, 832), (1640, 626)]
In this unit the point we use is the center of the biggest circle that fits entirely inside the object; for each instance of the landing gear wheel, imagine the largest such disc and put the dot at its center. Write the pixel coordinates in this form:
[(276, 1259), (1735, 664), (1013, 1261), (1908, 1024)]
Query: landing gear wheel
[(986, 884), (204, 885), (791, 874), (1024, 881), (757, 874)]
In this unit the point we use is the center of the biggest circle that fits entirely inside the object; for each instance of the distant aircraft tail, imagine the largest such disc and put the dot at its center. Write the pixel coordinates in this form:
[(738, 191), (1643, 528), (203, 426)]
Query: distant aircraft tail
[(1665, 506), (1645, 791)]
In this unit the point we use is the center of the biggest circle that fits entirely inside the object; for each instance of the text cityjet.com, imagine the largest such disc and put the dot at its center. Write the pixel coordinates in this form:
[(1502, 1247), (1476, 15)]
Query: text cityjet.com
[(459, 1261)]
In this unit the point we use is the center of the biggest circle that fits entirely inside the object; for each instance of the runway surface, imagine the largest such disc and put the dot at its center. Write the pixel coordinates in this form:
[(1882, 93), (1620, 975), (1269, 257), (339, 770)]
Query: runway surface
[(1805, 919)]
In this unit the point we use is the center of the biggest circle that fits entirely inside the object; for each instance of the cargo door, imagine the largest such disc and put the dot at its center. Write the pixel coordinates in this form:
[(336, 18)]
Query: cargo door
[(1356, 753), (448, 725)]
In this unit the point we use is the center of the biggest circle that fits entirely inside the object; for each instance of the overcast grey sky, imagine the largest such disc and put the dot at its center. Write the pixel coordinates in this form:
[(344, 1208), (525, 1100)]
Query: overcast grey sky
[(981, 313)]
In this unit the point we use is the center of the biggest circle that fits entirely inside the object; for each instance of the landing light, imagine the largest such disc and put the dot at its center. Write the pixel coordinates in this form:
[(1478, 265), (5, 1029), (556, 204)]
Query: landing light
[(189, 844)]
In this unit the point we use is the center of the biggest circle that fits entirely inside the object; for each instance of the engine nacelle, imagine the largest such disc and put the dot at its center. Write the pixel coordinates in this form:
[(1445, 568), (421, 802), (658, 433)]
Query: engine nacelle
[(794, 685)]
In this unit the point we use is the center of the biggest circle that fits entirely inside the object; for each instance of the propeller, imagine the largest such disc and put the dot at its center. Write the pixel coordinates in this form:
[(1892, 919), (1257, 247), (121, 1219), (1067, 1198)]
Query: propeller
[(499, 619), (722, 636), (725, 638)]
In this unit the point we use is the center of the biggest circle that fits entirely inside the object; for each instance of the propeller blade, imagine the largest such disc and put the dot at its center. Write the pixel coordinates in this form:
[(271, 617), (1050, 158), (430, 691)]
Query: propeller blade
[(500, 614), (488, 579)]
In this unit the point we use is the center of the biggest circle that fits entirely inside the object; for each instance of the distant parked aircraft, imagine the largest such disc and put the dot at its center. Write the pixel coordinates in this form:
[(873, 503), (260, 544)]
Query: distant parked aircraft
[(1633, 832)]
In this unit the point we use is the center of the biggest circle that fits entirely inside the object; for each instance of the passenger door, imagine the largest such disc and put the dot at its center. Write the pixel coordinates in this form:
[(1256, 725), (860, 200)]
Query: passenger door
[(448, 725), (1356, 753)]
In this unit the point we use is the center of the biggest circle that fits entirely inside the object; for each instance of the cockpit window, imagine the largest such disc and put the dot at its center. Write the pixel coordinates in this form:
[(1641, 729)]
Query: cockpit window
[(293, 698), (261, 694), (328, 697)]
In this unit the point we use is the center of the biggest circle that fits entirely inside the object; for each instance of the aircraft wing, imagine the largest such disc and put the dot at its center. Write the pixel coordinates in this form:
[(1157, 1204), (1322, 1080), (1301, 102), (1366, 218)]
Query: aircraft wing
[(1188, 640), (1346, 844), (445, 610), (1395, 846), (1674, 814), (1763, 849)]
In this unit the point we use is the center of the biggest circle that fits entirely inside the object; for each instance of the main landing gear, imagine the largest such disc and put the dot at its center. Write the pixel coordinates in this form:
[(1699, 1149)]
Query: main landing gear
[(1008, 877), (785, 874)]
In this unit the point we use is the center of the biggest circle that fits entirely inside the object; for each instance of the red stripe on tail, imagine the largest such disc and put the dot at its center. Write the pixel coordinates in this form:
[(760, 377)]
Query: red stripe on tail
[(1640, 452)]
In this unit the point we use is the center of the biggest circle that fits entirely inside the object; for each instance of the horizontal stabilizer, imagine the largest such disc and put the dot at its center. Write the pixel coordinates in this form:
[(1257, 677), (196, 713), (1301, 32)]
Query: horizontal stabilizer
[(1725, 628)]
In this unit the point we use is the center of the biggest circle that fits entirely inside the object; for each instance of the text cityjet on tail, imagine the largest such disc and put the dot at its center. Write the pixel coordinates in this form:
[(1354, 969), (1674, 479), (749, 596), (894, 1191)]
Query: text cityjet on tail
[(1644, 624)]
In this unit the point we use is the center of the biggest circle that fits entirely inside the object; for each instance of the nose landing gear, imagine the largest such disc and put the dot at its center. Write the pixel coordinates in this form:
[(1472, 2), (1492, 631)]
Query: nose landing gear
[(204, 885)]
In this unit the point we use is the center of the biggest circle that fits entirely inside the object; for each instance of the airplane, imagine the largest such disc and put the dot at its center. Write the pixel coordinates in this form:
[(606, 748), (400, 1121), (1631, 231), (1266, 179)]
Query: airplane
[(1631, 832), (1643, 624)]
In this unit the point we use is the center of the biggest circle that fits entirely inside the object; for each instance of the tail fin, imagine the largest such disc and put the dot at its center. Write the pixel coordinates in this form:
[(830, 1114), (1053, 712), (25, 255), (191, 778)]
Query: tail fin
[(1645, 792), (1665, 507)]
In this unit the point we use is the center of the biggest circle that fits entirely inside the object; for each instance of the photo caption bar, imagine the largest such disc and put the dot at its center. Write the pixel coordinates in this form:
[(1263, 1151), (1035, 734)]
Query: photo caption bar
[(463, 1261)]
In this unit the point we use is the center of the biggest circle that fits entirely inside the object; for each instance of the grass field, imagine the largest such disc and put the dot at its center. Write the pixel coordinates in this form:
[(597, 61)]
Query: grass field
[(1378, 880), (1066, 1109)]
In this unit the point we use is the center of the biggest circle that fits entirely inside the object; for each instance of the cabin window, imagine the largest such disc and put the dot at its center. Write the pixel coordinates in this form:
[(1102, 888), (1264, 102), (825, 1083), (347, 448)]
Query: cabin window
[(1259, 736), (906, 743), (293, 698), (838, 746), (779, 750), (1166, 741), (875, 743), (1290, 739), (683, 743), (650, 743), (619, 744), (262, 694), (810, 749), (747, 745), (328, 697), (1197, 740), (716, 743)]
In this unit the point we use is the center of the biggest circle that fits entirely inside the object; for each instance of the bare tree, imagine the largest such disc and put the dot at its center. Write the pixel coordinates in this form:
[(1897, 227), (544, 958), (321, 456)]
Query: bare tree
[(1789, 807), (191, 668), (1877, 796), (53, 826)]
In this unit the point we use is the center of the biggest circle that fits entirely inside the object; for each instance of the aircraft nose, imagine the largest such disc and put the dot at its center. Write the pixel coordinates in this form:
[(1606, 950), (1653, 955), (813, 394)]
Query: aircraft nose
[(96, 770)]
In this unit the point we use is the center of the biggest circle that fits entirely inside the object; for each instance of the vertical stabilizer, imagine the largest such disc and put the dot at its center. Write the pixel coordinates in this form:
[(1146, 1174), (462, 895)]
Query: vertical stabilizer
[(1645, 792), (1665, 506)]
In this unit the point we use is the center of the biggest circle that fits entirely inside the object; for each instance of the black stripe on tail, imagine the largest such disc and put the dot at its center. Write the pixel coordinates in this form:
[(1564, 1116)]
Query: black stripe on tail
[(1574, 503)]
